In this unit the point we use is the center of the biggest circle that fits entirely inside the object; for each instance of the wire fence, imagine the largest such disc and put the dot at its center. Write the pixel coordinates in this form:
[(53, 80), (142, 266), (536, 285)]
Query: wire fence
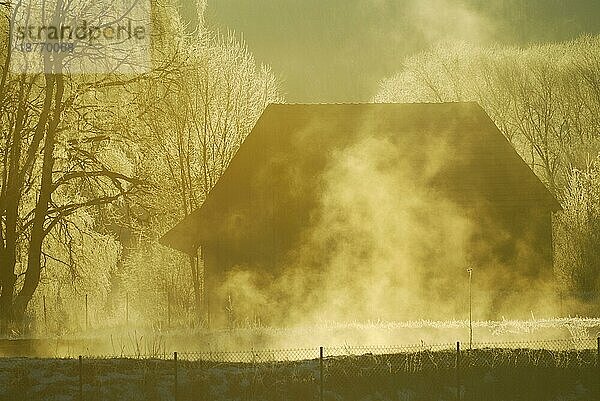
[(491, 371)]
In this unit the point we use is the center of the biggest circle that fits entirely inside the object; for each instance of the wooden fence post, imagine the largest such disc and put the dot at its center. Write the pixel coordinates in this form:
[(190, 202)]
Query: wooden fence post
[(598, 352), (176, 378), (458, 370), (321, 373), (80, 378), (598, 365)]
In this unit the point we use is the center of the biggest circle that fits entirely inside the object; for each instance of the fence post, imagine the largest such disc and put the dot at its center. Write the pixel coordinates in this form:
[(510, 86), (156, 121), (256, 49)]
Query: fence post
[(598, 363), (175, 384), (80, 378), (458, 370), (321, 373)]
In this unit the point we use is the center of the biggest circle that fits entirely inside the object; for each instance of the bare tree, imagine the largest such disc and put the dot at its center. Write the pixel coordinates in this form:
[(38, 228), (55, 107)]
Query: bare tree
[(52, 166), (546, 101), (196, 123), (541, 98)]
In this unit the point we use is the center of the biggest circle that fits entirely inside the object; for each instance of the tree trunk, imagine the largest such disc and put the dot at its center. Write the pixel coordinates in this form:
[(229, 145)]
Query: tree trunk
[(38, 233), (11, 199), (7, 264)]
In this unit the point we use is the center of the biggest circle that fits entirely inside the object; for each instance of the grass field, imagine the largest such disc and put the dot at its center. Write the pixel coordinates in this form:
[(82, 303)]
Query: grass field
[(142, 341), (416, 374), (538, 359)]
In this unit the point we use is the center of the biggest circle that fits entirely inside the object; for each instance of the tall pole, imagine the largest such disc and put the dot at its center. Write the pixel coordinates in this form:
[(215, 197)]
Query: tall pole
[(470, 271), (86, 312), (45, 313), (168, 309)]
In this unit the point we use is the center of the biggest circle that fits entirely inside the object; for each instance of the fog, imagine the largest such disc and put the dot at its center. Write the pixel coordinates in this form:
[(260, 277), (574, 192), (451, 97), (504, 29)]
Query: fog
[(385, 243)]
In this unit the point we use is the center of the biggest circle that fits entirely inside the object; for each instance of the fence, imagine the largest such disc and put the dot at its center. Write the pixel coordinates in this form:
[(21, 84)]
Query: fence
[(533, 370)]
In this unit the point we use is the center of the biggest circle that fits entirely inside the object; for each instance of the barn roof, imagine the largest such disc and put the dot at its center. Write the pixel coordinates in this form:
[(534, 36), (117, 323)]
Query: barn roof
[(302, 137)]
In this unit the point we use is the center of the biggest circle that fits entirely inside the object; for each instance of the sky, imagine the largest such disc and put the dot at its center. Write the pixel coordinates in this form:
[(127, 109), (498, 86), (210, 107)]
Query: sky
[(339, 50)]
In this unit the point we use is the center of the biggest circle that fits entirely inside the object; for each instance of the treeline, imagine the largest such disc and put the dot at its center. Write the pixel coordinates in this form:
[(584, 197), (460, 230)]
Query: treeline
[(94, 167), (546, 101)]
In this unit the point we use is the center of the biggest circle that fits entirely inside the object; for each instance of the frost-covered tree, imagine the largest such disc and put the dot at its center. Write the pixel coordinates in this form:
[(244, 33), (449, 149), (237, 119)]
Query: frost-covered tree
[(79, 150), (63, 158), (546, 101), (545, 98), (190, 126), (578, 232)]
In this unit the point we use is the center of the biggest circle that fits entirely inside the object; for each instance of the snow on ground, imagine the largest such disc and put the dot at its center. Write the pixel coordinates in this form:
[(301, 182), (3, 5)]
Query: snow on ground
[(361, 374)]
